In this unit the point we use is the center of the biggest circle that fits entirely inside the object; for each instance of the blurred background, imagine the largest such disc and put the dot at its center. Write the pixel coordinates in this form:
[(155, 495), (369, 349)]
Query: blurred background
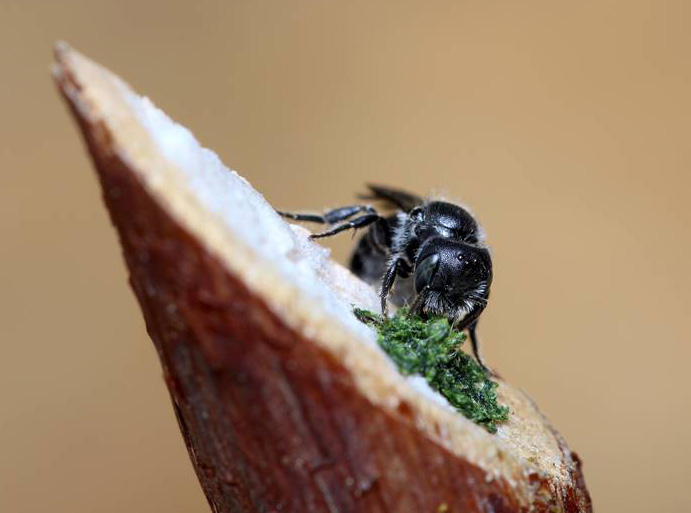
[(565, 125)]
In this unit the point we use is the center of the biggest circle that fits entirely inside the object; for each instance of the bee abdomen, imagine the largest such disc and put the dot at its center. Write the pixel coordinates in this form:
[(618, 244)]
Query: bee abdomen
[(368, 262)]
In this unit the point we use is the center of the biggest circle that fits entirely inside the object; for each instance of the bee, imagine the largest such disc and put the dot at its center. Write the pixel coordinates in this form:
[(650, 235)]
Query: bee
[(427, 254)]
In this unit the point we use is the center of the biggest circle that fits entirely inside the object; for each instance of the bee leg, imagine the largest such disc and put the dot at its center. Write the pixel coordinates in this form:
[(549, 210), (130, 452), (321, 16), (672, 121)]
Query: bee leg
[(331, 216), (398, 267), (472, 331), (416, 307), (358, 222), (309, 218), (342, 213)]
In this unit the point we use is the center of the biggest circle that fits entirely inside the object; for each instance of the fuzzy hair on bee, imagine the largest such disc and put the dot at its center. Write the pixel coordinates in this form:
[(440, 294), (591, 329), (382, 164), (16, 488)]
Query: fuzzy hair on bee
[(428, 254)]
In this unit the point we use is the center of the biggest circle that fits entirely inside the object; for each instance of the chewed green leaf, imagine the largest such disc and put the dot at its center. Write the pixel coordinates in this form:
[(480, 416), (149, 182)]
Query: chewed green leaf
[(431, 349)]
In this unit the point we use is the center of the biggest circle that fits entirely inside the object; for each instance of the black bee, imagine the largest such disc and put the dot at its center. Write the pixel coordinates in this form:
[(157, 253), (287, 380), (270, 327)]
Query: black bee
[(435, 248)]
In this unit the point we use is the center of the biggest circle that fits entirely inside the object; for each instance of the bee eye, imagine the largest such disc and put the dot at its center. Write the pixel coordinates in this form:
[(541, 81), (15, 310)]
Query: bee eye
[(466, 259), (425, 271)]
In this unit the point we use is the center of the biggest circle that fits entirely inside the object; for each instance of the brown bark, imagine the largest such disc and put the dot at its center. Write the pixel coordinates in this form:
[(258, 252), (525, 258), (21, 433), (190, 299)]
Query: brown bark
[(272, 420)]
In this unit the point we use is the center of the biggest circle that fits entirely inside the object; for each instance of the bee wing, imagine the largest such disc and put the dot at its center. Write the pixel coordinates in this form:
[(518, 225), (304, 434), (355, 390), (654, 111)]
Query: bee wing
[(406, 201)]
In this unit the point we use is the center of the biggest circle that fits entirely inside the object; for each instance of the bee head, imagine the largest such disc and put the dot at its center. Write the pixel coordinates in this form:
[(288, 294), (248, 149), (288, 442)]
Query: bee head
[(455, 270)]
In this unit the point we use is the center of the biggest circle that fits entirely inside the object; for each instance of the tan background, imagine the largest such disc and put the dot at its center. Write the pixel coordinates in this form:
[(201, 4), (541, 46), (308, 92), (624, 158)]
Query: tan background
[(564, 124)]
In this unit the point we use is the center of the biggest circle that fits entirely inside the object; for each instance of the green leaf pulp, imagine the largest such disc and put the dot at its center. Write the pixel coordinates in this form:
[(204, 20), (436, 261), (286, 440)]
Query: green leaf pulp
[(431, 349)]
